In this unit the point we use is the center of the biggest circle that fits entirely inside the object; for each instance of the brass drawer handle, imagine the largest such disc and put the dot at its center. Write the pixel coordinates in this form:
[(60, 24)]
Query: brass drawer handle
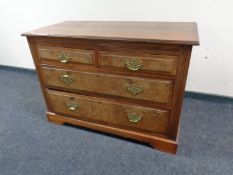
[(133, 64), (63, 57), (67, 79), (134, 118), (72, 105), (134, 89)]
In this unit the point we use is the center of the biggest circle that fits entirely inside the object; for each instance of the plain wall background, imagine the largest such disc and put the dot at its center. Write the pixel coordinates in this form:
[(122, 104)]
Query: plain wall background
[(211, 68)]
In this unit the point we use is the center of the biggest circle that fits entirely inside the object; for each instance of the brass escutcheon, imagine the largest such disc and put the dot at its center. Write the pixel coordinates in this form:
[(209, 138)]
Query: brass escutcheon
[(67, 79), (134, 89), (133, 64), (63, 57), (72, 105), (134, 118)]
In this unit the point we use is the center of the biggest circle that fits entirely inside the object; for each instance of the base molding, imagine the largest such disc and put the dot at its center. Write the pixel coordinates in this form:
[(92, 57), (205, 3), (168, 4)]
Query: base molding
[(158, 143)]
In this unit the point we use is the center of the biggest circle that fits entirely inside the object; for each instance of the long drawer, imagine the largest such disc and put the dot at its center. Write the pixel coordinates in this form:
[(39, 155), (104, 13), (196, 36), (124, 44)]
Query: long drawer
[(111, 112), (155, 90)]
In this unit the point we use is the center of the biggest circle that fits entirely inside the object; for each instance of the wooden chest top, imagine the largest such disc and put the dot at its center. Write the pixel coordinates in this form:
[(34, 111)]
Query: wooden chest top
[(182, 33)]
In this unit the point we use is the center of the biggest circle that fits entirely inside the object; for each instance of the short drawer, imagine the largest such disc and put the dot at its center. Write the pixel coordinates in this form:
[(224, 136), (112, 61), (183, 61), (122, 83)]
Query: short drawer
[(156, 90), (139, 63), (112, 113), (66, 55)]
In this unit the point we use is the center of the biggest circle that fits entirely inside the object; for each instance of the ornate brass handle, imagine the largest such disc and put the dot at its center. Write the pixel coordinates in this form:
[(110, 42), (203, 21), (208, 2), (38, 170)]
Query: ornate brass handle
[(134, 118), (72, 105), (67, 79), (133, 64), (63, 57), (134, 89)]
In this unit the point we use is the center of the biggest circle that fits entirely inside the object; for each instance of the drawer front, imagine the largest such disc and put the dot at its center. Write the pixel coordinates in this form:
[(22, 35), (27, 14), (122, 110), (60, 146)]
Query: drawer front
[(144, 89), (112, 113), (66, 55), (139, 63)]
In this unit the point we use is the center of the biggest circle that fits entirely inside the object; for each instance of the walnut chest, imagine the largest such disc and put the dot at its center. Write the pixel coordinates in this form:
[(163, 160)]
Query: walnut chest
[(123, 78)]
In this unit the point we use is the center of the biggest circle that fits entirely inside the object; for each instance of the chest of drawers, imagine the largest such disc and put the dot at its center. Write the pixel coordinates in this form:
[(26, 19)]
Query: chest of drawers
[(123, 78)]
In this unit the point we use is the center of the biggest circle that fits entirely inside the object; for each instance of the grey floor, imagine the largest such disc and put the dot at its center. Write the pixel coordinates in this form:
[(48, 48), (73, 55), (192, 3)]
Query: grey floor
[(29, 145)]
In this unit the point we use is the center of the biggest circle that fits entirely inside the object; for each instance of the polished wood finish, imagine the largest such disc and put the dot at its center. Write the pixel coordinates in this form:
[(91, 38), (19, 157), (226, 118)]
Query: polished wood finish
[(75, 55), (153, 89), (108, 111), (150, 63), (92, 88), (183, 33)]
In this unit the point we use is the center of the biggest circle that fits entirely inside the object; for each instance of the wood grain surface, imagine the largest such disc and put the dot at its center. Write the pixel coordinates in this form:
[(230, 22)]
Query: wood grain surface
[(153, 89), (75, 55), (150, 63), (184, 33), (109, 111)]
